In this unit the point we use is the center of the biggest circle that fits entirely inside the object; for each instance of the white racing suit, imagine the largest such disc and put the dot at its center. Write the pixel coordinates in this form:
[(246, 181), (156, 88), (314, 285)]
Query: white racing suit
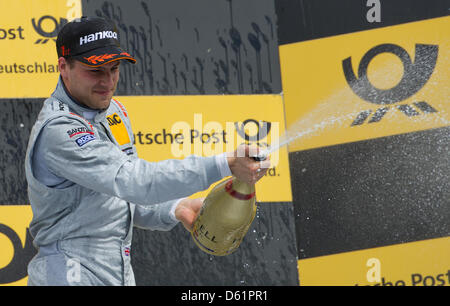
[(82, 224)]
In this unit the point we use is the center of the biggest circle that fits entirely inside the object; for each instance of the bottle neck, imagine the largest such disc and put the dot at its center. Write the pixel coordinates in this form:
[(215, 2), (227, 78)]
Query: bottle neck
[(240, 190)]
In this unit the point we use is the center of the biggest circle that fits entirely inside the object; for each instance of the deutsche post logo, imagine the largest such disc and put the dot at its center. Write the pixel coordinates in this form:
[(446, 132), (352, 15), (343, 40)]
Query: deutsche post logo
[(258, 131), (47, 34), (415, 76), (17, 267), (16, 243)]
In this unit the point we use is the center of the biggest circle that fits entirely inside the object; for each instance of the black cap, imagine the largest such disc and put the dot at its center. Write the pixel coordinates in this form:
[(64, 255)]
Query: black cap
[(93, 41)]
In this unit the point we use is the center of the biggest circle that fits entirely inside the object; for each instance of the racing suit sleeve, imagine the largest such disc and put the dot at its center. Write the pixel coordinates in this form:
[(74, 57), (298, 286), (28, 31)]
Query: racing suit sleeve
[(161, 216), (156, 217), (101, 166)]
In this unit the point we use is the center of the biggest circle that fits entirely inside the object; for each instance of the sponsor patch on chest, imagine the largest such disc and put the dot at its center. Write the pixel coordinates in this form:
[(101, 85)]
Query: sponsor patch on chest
[(118, 129), (81, 141)]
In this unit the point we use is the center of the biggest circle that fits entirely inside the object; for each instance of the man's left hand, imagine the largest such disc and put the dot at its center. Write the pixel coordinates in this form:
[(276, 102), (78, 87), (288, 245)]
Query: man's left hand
[(187, 211)]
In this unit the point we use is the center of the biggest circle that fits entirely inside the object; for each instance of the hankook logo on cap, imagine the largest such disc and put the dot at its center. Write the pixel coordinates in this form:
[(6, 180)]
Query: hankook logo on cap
[(96, 36)]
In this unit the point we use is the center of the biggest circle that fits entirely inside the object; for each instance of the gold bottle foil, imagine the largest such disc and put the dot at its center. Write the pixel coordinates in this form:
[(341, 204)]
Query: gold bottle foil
[(224, 219)]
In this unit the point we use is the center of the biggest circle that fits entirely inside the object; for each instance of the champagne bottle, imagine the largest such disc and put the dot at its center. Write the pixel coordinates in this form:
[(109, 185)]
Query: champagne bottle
[(224, 219)]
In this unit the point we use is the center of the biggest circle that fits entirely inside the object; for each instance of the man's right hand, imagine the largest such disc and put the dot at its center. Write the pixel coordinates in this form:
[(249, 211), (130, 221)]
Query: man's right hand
[(244, 167)]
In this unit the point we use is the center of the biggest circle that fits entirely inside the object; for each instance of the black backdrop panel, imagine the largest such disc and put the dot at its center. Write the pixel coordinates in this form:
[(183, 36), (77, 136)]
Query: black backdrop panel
[(17, 117), (372, 193), (266, 257), (301, 20), (196, 46)]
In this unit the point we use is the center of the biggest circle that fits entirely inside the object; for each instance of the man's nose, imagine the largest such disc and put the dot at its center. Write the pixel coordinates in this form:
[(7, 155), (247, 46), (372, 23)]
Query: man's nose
[(107, 79)]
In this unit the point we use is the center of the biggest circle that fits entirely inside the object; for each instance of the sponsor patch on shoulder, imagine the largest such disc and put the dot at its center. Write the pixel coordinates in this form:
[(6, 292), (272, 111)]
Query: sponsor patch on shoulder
[(81, 141), (77, 131)]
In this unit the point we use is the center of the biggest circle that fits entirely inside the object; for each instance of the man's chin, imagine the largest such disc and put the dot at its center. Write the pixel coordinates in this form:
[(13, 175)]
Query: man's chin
[(103, 102)]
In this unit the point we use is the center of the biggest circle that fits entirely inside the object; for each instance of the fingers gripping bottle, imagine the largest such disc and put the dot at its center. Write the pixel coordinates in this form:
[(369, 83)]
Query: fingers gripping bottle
[(225, 217)]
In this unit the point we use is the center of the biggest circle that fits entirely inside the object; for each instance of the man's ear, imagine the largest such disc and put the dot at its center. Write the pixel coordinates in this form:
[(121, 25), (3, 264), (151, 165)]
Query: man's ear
[(63, 66)]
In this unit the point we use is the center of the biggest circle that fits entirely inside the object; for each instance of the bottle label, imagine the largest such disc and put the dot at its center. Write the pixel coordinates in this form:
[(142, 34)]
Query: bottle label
[(195, 236)]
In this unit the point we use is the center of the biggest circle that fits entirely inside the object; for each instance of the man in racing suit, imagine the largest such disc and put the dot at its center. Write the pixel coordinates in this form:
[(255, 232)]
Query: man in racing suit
[(86, 185)]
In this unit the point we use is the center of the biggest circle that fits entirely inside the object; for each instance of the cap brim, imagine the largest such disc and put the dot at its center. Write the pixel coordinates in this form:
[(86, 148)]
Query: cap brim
[(105, 55)]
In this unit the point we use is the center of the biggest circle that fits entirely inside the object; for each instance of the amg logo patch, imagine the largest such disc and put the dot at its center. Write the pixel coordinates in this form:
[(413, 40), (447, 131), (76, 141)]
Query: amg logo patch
[(81, 141)]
